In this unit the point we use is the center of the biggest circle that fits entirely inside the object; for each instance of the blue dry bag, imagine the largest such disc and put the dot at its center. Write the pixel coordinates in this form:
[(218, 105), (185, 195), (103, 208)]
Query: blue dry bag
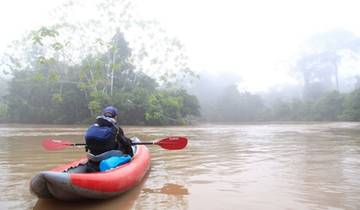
[(113, 162)]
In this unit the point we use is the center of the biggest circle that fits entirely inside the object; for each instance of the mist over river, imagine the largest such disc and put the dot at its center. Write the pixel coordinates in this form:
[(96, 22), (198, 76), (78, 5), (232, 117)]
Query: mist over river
[(255, 166)]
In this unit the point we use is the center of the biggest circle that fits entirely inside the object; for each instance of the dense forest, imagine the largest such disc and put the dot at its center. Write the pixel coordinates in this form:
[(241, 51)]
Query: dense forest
[(67, 72), (50, 91)]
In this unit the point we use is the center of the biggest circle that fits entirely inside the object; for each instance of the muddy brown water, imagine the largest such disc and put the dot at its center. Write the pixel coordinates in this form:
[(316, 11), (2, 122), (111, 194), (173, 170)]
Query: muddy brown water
[(258, 166)]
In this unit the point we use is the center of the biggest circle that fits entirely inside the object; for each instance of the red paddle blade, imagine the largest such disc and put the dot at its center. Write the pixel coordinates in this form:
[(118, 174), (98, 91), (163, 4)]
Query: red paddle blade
[(173, 143), (53, 144)]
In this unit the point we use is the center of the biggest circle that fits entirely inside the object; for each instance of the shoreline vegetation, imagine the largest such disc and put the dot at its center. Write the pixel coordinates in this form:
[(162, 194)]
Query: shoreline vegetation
[(170, 108), (332, 107)]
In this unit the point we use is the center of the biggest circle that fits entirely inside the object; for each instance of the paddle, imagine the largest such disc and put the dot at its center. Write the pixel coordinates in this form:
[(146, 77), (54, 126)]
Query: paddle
[(170, 143)]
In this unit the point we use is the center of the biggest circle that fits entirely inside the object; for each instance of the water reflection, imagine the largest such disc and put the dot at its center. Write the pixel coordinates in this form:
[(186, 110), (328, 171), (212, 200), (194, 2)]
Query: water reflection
[(169, 189), (169, 196)]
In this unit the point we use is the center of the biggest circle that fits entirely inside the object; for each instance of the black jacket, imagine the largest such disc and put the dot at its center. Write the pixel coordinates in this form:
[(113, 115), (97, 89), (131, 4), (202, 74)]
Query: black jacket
[(124, 142), (117, 141)]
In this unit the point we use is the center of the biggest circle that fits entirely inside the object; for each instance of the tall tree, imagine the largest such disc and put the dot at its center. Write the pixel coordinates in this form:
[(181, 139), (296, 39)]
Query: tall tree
[(352, 106), (153, 51), (234, 106), (319, 67), (318, 71)]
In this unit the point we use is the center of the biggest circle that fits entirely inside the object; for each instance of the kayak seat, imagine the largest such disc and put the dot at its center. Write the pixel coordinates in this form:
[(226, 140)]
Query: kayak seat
[(77, 169)]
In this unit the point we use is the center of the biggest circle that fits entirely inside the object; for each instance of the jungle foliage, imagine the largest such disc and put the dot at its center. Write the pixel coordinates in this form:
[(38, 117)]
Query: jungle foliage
[(47, 89)]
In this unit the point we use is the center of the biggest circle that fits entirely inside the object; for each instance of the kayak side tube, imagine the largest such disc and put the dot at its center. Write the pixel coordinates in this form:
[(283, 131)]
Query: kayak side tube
[(48, 183), (61, 185)]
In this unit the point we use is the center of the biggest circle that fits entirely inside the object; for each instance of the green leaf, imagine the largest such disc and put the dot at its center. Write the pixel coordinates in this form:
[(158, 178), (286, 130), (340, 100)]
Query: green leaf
[(37, 40), (57, 46), (57, 98), (41, 60), (38, 77), (54, 76)]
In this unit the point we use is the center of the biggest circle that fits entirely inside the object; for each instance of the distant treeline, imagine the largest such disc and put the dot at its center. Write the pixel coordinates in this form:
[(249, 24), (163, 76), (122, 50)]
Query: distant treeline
[(32, 102), (32, 99), (233, 106)]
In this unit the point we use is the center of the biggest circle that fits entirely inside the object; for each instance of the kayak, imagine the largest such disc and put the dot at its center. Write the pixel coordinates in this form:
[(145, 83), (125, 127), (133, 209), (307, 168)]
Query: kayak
[(71, 182)]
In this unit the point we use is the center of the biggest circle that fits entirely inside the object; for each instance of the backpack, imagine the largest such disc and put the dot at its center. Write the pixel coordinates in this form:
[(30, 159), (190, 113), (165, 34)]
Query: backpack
[(100, 139), (99, 133)]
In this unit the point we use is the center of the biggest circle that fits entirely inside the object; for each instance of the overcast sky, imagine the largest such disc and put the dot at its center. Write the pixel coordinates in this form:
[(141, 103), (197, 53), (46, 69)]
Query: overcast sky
[(257, 38)]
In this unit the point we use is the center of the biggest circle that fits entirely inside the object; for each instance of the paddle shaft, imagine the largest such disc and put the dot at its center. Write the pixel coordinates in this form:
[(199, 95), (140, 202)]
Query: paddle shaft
[(170, 143), (142, 143), (135, 143), (77, 144)]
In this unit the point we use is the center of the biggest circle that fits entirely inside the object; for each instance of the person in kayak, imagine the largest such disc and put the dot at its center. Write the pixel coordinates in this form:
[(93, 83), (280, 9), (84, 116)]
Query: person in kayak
[(105, 139)]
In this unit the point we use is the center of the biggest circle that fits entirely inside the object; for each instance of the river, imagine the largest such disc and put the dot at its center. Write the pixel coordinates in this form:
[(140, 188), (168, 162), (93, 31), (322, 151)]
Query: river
[(255, 166)]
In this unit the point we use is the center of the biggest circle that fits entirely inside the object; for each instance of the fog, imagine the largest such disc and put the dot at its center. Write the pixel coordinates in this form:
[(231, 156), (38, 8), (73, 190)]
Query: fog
[(180, 62)]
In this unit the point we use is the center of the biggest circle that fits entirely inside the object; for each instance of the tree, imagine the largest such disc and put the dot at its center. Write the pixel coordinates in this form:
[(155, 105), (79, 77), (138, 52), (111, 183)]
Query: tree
[(301, 110), (163, 108), (153, 51), (208, 89), (3, 87), (319, 73), (329, 107), (234, 106), (190, 104), (352, 106), (3, 110), (319, 67), (170, 107), (281, 111)]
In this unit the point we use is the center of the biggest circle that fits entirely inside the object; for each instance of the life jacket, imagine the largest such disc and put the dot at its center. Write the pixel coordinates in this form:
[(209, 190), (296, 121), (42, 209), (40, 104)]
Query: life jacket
[(101, 136)]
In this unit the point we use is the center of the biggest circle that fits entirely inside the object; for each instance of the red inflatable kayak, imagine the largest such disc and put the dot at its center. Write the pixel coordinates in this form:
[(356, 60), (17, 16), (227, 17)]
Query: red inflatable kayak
[(70, 182)]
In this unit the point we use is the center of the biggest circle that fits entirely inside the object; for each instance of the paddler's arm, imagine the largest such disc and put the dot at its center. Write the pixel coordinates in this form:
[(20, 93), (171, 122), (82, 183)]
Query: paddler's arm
[(125, 143)]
